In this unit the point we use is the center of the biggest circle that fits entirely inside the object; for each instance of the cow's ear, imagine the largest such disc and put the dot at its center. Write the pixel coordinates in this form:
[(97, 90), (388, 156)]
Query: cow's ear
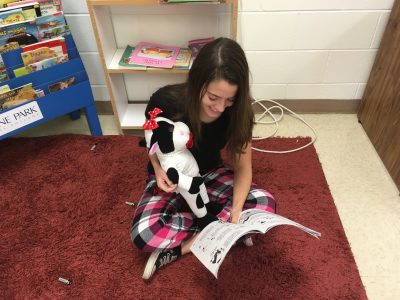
[(154, 148)]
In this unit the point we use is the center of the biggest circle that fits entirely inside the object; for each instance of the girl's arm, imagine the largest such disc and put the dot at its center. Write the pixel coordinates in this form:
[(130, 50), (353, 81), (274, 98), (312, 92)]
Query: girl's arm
[(163, 181), (242, 181)]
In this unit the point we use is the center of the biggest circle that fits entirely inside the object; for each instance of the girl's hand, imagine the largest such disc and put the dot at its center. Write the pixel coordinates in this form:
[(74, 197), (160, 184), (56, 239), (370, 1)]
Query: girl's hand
[(163, 181), (235, 213)]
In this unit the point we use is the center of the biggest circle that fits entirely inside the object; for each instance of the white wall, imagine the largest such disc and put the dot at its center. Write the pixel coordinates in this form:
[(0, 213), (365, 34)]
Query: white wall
[(297, 49), (77, 15)]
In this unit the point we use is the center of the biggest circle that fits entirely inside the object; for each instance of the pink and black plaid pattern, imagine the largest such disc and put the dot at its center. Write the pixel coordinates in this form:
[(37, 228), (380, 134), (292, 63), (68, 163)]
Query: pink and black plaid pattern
[(163, 220)]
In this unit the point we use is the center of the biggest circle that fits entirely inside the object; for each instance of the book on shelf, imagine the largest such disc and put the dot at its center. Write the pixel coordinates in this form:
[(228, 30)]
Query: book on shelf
[(183, 59), (22, 71), (61, 85), (40, 65), (214, 241), (24, 33), (55, 31), (39, 93), (50, 6), (57, 44), (52, 25), (41, 54), (11, 17), (197, 44), (29, 10), (4, 88), (154, 55), (3, 70), (17, 96), (125, 58), (47, 7), (4, 3), (9, 47)]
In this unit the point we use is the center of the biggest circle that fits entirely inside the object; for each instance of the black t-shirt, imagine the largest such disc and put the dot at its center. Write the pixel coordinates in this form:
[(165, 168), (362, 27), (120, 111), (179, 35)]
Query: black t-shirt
[(207, 152)]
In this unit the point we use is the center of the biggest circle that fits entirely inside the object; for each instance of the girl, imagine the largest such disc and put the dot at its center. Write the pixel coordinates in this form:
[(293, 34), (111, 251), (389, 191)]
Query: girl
[(215, 102)]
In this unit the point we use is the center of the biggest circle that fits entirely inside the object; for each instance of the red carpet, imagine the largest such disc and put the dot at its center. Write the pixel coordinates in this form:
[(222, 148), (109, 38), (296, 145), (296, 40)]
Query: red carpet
[(63, 214)]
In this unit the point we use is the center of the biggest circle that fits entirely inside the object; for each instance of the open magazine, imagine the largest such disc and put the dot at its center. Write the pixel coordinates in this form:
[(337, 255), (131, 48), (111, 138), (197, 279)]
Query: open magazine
[(214, 241)]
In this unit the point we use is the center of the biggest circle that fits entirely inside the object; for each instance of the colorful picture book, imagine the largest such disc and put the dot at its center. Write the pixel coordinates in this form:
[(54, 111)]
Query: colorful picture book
[(4, 88), (40, 65), (11, 17), (8, 47), (54, 32), (126, 56), (37, 55), (47, 7), (17, 96), (24, 33), (42, 55), (196, 45), (58, 43), (183, 59), (154, 55), (4, 3), (30, 10), (52, 25), (63, 84), (50, 6)]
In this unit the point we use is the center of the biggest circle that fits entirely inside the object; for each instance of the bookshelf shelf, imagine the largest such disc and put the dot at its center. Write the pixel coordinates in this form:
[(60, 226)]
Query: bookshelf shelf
[(114, 28), (134, 116)]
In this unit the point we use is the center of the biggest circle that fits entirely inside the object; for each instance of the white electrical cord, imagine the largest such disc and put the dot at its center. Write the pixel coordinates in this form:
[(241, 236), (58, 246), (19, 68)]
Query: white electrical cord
[(275, 121)]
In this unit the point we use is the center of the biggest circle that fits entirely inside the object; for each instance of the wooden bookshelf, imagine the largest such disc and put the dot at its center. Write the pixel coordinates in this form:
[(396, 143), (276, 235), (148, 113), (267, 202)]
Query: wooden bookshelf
[(130, 114)]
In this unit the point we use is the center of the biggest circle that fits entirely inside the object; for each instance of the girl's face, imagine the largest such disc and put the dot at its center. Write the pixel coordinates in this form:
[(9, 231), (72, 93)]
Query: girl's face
[(218, 96)]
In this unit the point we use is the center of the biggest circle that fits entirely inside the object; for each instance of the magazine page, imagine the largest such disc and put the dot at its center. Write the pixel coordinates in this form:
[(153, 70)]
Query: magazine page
[(265, 220), (213, 243)]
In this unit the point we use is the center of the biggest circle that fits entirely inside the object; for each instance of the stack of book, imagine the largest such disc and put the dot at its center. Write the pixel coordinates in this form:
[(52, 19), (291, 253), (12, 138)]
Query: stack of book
[(150, 55)]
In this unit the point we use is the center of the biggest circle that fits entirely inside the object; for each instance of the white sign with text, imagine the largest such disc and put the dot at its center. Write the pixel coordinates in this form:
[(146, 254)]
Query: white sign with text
[(19, 117)]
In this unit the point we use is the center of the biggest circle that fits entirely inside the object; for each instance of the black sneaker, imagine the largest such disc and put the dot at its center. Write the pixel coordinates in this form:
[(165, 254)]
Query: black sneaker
[(157, 259)]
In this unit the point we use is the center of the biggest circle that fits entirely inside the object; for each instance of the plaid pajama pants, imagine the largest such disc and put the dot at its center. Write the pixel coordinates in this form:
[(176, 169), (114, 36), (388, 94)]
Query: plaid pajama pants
[(163, 220)]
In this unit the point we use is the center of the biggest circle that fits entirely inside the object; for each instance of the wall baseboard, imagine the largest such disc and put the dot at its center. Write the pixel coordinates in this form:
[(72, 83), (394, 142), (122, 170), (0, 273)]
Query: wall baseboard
[(323, 106)]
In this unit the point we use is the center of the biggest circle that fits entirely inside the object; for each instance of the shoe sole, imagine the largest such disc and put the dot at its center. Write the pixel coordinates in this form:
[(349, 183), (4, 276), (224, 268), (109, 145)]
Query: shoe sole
[(148, 270)]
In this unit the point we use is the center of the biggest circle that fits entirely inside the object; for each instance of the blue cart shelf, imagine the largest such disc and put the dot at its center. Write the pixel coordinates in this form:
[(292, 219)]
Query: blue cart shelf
[(67, 101)]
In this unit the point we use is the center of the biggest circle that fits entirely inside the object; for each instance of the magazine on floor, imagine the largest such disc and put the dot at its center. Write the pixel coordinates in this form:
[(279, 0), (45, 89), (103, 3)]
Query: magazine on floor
[(214, 241)]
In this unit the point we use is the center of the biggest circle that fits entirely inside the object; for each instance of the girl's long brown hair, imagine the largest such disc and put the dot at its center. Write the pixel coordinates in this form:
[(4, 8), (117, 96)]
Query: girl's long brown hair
[(222, 59)]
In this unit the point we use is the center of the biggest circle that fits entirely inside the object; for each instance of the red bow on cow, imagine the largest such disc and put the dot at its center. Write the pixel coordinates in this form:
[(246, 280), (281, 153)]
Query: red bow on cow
[(152, 123)]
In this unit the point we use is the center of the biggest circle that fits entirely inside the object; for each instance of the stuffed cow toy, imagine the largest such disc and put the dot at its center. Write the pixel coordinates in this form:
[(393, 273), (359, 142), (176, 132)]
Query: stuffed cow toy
[(170, 142)]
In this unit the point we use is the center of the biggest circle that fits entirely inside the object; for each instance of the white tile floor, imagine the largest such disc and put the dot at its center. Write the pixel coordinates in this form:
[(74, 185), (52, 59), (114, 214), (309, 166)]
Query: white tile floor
[(365, 195)]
